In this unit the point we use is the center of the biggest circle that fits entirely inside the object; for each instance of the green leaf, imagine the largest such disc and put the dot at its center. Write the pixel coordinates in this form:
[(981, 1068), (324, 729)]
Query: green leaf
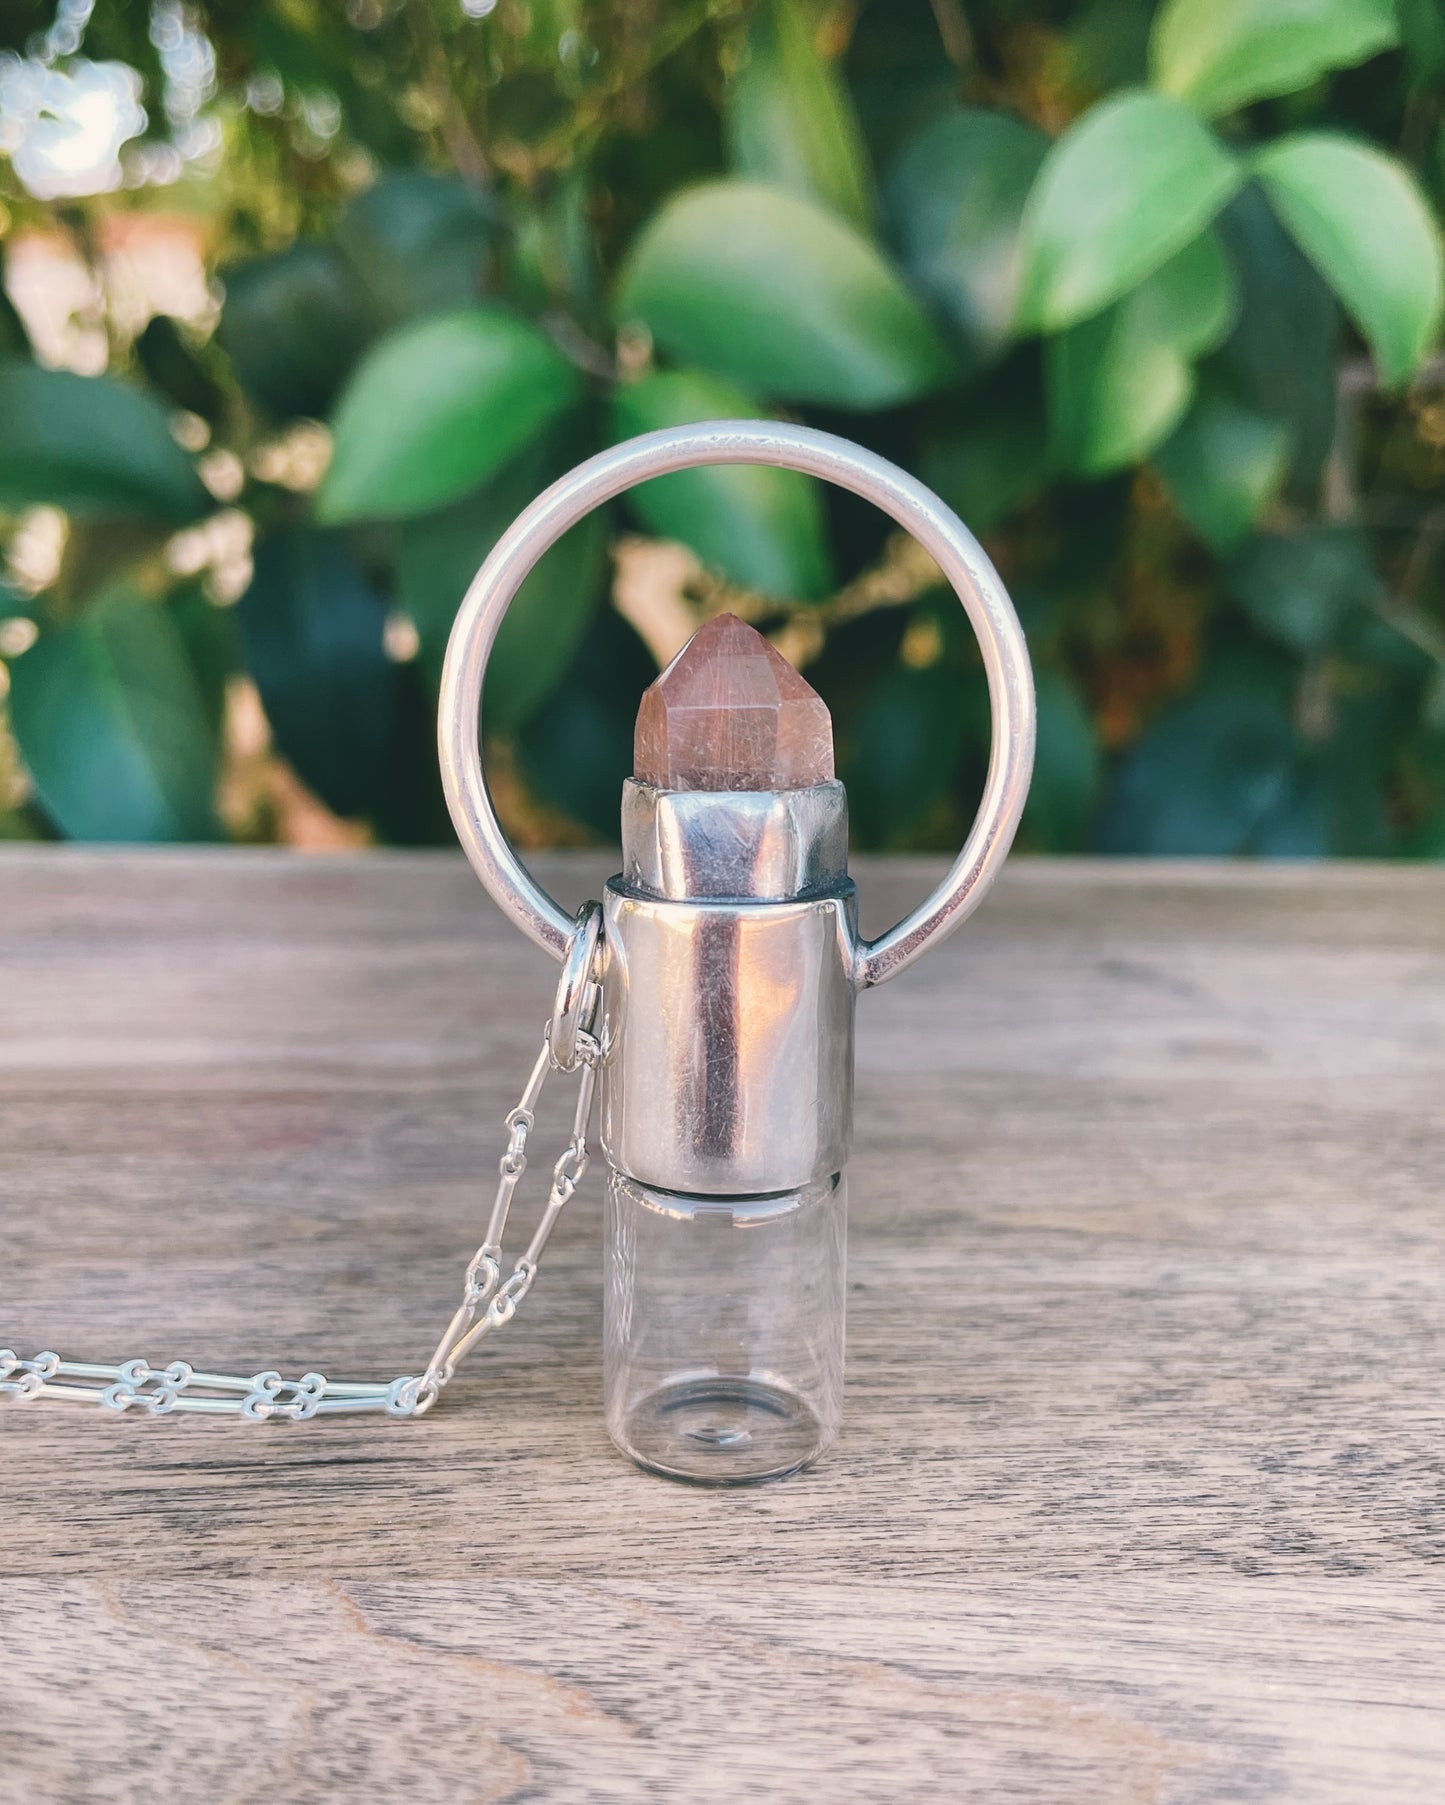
[(761, 527), (1132, 182), (546, 623), (212, 644), (989, 466), (319, 49), (1223, 465), (773, 292), (312, 634), (1207, 776), (292, 325), (1422, 31), (1065, 783), (1353, 803), (438, 407), (409, 807), (1336, 802), (1426, 839), (991, 457), (1284, 350), (111, 725), (577, 754), (954, 200), (904, 752), (789, 119), (418, 243), (14, 339), (1360, 218), (1221, 54), (1118, 383), (1300, 588), (555, 255), (94, 447), (895, 73), (21, 824), (175, 368), (439, 554), (1107, 45)]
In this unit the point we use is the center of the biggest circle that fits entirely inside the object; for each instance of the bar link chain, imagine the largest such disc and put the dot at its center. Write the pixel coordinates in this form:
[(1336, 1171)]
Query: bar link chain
[(489, 1301)]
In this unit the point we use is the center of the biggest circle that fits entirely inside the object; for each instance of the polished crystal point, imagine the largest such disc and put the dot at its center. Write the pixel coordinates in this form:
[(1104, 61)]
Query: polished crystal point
[(730, 713)]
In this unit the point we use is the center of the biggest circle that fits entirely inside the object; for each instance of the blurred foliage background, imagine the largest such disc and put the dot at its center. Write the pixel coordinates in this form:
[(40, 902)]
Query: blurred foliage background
[(307, 300)]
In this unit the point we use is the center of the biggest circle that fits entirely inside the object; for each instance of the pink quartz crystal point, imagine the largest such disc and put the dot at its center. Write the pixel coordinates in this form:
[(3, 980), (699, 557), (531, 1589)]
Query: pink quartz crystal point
[(730, 713)]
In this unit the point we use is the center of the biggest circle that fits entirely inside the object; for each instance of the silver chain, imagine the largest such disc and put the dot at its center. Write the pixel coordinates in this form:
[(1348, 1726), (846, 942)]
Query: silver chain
[(488, 1300)]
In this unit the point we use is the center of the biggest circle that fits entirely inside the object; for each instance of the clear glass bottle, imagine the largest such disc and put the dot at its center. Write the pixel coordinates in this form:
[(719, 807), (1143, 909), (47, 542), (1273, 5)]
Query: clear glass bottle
[(723, 1329)]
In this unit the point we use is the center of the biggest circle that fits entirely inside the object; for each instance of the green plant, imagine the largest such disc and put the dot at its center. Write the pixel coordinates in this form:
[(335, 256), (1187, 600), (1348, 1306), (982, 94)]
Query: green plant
[(1144, 295)]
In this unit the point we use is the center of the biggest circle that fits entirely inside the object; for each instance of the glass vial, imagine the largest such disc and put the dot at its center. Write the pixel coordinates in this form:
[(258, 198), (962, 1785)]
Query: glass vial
[(723, 1329)]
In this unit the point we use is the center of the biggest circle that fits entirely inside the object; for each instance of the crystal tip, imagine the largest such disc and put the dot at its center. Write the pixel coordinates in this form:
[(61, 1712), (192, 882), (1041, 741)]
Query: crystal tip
[(730, 713)]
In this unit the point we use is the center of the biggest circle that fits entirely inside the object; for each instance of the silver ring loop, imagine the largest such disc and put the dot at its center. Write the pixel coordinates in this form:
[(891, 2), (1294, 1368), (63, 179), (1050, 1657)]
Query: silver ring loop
[(577, 979), (936, 528)]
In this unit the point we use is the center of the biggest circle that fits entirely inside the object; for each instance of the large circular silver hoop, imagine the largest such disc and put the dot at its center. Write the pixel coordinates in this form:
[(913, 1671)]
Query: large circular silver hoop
[(936, 528)]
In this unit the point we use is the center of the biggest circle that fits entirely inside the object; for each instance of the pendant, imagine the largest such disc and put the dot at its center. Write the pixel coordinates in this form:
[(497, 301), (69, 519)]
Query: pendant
[(726, 972)]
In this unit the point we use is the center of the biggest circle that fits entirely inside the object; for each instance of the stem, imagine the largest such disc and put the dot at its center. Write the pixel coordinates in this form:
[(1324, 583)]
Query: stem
[(953, 29), (462, 144), (578, 347)]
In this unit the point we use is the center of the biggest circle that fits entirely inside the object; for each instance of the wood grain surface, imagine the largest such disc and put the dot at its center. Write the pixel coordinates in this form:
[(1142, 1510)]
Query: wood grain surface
[(1141, 1490)]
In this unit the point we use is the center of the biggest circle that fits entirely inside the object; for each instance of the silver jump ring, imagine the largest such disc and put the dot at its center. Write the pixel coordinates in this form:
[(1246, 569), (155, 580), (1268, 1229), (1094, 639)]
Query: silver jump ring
[(936, 528), (572, 1009)]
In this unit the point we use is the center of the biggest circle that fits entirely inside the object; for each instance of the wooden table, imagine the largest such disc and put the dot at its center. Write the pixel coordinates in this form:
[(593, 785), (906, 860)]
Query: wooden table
[(1141, 1491)]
